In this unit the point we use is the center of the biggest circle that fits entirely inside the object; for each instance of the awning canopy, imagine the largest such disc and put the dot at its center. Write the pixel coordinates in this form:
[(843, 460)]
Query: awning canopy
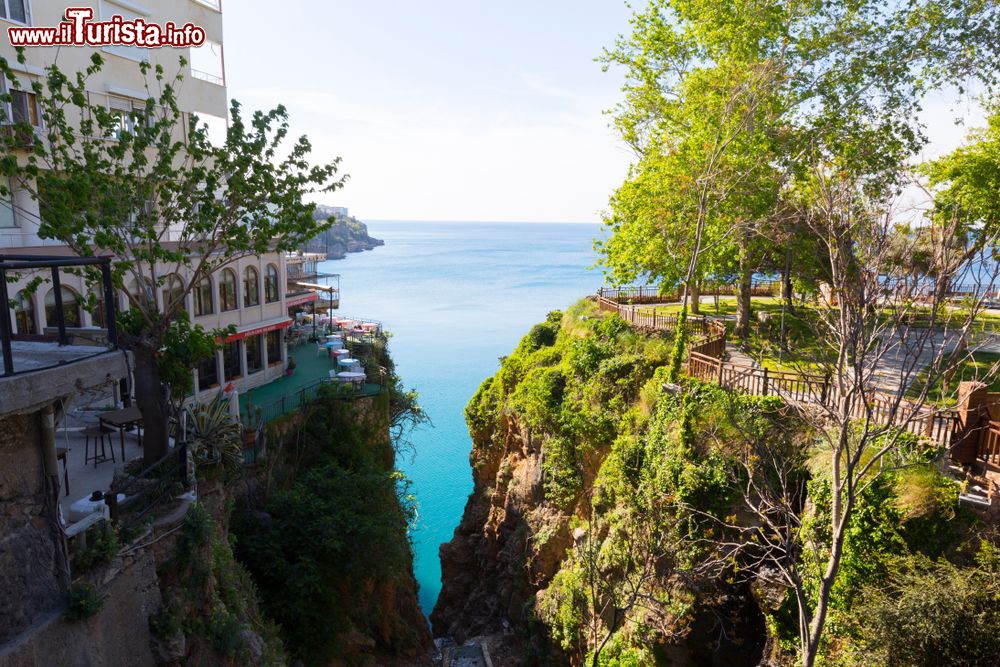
[(299, 300), (259, 328), (324, 288)]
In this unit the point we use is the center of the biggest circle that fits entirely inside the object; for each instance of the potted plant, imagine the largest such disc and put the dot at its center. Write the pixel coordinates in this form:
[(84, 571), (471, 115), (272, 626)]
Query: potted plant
[(291, 367)]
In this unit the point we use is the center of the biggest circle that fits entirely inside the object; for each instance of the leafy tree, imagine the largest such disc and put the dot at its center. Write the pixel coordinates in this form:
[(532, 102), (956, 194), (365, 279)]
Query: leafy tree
[(726, 103), (162, 199)]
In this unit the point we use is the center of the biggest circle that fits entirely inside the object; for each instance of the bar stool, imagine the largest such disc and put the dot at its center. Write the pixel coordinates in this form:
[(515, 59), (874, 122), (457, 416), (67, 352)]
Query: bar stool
[(98, 433)]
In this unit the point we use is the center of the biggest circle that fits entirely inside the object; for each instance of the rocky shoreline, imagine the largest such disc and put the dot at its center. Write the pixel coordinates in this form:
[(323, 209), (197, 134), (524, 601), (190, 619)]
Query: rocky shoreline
[(346, 234)]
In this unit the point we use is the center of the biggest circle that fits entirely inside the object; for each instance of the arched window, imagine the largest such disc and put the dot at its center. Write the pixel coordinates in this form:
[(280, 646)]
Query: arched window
[(251, 287), (203, 304), (70, 308), (24, 313), (173, 291), (271, 293), (144, 294), (227, 290)]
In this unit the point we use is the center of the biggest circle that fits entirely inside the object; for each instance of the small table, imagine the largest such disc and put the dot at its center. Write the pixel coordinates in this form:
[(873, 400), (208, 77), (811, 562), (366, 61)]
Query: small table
[(349, 363), (84, 507), (357, 380), (61, 456), (122, 420)]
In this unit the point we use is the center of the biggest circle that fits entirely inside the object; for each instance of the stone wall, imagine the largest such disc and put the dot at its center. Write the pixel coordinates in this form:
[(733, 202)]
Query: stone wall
[(30, 577), (117, 635)]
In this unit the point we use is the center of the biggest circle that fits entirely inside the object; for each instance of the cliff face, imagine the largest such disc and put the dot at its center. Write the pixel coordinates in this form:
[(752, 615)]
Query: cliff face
[(323, 531), (346, 234), (495, 563), (556, 504)]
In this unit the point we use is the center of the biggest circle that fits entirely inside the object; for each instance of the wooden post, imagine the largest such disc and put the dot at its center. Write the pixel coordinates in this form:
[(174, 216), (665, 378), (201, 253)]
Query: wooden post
[(765, 382), (654, 317)]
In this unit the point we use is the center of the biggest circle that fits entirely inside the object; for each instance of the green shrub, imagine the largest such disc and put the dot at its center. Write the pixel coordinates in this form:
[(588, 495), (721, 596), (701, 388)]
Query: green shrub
[(542, 335), (84, 601), (563, 472), (931, 614), (102, 547), (538, 396)]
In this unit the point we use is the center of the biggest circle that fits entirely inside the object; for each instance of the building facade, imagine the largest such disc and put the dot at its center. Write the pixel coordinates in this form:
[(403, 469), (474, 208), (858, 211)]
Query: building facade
[(250, 294)]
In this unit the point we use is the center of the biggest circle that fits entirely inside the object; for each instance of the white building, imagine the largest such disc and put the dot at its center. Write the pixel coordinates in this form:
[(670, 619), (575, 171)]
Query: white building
[(249, 294)]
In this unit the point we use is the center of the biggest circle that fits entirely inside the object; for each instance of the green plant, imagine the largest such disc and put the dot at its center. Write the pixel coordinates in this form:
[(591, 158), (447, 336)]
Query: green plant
[(102, 546), (214, 436), (84, 601)]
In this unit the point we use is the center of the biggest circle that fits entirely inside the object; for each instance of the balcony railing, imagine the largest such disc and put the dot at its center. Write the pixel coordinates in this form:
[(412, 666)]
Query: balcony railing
[(10, 265)]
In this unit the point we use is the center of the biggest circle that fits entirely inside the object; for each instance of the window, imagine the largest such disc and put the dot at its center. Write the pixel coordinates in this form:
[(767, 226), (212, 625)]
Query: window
[(208, 374), (144, 294), (70, 308), (7, 217), (24, 313), (14, 10), (206, 63), (109, 9), (203, 297), (24, 107), (255, 356), (273, 347), (227, 290), (173, 291), (271, 293), (127, 117), (251, 287), (231, 360), (214, 4), (99, 316)]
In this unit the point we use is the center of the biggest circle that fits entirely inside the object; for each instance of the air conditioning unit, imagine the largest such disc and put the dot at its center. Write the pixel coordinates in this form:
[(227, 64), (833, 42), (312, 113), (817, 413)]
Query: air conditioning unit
[(20, 136)]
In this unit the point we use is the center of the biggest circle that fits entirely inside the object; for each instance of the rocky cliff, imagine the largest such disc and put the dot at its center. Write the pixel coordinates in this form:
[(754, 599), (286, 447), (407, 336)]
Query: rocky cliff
[(552, 434), (346, 234)]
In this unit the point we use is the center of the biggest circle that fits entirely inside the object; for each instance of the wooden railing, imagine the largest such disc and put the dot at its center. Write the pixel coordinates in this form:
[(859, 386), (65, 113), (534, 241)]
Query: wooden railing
[(653, 294), (989, 443), (705, 362)]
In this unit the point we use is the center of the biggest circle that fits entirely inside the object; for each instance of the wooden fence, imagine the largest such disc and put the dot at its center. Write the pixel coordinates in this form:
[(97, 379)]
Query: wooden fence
[(705, 361), (652, 294), (988, 450)]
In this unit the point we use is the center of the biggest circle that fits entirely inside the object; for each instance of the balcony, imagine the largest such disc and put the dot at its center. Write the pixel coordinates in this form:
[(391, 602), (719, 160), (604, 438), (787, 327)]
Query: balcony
[(39, 368)]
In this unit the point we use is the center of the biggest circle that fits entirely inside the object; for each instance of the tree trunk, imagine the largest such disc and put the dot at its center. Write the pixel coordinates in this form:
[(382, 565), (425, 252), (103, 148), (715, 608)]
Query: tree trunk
[(742, 329), (695, 297), (151, 400), (786, 285)]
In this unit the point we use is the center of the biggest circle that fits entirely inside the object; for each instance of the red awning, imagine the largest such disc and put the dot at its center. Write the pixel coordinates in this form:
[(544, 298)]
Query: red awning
[(305, 298), (240, 335)]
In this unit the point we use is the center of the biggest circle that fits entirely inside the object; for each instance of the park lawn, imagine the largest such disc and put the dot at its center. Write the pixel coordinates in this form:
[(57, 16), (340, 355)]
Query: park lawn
[(726, 307), (976, 368)]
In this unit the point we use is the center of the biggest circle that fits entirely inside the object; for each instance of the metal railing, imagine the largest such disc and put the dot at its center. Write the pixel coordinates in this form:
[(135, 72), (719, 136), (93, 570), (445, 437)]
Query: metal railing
[(293, 400), (11, 264), (149, 489)]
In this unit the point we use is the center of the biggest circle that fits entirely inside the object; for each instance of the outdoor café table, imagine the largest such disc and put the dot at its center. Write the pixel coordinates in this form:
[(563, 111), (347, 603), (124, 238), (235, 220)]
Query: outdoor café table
[(341, 353), (347, 362), (357, 380), (121, 420)]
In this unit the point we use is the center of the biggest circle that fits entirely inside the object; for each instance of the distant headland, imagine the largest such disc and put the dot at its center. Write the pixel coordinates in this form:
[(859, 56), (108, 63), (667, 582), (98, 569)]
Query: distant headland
[(346, 234)]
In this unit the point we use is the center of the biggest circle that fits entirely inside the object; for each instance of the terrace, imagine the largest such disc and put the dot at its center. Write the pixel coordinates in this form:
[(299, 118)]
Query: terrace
[(313, 365)]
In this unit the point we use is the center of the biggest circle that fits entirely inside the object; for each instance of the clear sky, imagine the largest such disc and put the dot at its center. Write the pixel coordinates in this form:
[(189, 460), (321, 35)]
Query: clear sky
[(455, 109), (443, 110)]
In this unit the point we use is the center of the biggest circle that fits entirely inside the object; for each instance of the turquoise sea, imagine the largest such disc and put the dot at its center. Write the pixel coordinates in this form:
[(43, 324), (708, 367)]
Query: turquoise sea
[(457, 296)]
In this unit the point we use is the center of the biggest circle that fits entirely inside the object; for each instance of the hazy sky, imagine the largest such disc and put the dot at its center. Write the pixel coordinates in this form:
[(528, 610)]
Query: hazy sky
[(453, 110)]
